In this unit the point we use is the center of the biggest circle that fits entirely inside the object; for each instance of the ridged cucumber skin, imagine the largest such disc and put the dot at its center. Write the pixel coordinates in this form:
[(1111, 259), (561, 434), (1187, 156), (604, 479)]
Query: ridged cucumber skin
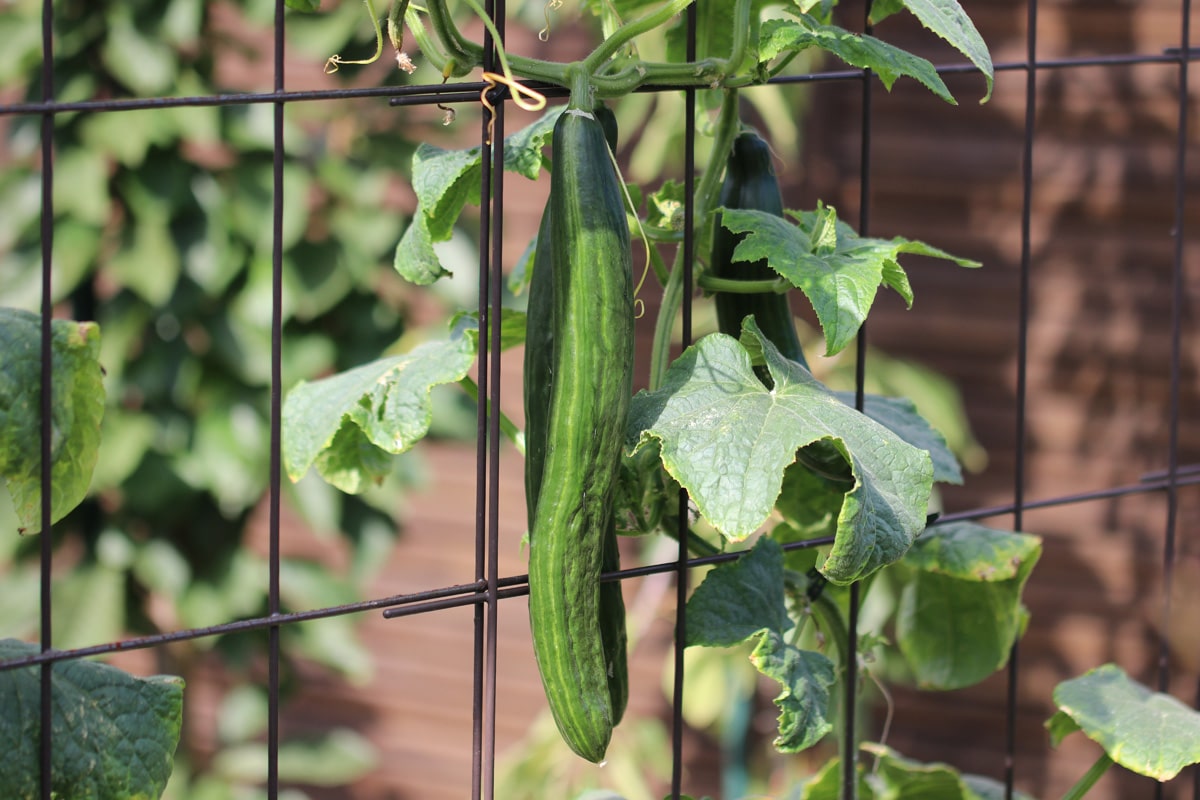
[(750, 184), (590, 379), (539, 352)]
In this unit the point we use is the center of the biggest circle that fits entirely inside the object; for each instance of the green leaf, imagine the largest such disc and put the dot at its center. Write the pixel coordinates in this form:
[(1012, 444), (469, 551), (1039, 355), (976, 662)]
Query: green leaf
[(985, 788), (901, 778), (416, 260), (739, 599), (114, 734), (303, 5), (665, 209), (827, 783), (882, 9), (149, 263), (139, 60), (840, 276), (1147, 732), (947, 19), (803, 704), (445, 181), (77, 395), (900, 416), (727, 439), (744, 599), (339, 757), (348, 423), (512, 327), (960, 612), (906, 778), (885, 60)]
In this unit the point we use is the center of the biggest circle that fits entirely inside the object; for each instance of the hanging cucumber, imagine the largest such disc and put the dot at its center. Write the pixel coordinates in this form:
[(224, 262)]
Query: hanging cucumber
[(750, 184), (578, 381)]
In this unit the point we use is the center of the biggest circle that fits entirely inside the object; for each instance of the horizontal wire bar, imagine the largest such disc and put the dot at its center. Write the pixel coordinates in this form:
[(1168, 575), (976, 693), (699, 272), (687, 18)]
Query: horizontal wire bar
[(466, 594), (466, 92), (1148, 483), (517, 585)]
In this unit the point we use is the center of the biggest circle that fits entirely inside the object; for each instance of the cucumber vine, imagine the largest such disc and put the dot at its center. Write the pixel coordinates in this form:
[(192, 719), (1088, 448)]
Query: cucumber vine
[(805, 490)]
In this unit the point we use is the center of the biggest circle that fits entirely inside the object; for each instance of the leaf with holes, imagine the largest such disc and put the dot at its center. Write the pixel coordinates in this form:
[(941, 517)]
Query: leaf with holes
[(1147, 732), (727, 439), (114, 734), (77, 409), (744, 599)]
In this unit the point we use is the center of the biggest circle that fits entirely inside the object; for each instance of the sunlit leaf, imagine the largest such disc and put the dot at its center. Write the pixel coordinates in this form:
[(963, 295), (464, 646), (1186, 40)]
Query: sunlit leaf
[(727, 439), (1147, 732), (77, 409)]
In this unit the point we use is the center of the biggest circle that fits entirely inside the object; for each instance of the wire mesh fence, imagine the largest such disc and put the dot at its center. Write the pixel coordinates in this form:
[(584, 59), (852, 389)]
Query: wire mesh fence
[(491, 591)]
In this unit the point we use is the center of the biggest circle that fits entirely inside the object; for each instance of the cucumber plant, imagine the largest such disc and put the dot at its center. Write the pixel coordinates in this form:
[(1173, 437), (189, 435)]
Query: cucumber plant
[(805, 492)]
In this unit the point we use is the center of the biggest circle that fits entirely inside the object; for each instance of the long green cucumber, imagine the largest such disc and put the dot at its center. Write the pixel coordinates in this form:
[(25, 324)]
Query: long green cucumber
[(750, 184), (539, 352), (578, 629)]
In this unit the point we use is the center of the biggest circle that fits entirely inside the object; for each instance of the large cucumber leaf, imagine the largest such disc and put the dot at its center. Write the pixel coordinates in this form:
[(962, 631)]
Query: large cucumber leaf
[(77, 409), (113, 734), (727, 439)]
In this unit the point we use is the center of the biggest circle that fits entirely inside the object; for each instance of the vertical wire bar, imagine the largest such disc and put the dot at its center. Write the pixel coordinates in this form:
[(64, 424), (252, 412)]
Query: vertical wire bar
[(497, 13), (850, 689), (1013, 683), (1177, 307), (45, 741), (273, 632), (482, 443), (681, 564)]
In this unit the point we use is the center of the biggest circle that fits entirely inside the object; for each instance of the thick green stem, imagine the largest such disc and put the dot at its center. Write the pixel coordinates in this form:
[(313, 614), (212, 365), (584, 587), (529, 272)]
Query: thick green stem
[(741, 34), (428, 47), (728, 124), (735, 286), (630, 30), (1089, 779), (462, 53)]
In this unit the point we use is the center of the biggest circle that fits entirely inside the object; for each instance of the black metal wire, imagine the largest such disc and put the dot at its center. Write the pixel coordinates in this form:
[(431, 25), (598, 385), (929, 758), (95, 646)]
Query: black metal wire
[(1020, 432), (469, 91), (46, 403), (276, 405), (496, 10), (1177, 308), (681, 560), (849, 745)]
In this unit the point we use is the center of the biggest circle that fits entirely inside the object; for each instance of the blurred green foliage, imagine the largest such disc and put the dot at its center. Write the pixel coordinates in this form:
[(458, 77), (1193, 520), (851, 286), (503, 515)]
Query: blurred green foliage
[(163, 224)]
